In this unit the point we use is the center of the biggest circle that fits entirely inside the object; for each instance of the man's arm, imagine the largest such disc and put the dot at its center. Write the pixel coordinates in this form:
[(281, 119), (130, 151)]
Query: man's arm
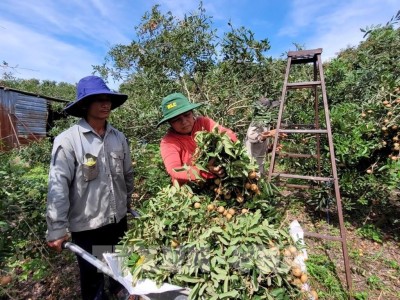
[(170, 154), (62, 170)]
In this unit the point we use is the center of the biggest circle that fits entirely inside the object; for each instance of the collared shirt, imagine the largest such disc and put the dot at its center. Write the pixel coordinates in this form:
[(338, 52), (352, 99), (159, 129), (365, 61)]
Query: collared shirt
[(177, 150), (83, 195)]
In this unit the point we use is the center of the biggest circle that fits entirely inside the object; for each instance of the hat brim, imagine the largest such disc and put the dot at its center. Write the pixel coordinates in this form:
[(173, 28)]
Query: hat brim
[(75, 108), (179, 112)]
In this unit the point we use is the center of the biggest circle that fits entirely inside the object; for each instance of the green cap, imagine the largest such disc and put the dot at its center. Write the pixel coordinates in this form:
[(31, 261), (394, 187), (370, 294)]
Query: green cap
[(175, 104)]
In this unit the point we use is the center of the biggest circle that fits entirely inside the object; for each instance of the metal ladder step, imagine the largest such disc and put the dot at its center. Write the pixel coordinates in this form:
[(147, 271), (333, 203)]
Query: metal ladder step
[(324, 236), (303, 85), (294, 176), (296, 155), (296, 186), (314, 131)]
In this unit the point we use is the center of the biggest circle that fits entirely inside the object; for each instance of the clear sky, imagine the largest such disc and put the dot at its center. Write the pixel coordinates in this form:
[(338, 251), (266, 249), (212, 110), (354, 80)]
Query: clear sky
[(60, 40)]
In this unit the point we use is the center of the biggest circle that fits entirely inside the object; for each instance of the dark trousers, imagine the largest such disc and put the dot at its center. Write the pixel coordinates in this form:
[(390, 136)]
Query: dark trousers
[(95, 241)]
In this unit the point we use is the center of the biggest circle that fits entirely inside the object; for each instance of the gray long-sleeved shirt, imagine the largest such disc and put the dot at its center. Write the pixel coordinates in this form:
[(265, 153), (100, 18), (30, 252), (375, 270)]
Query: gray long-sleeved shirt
[(83, 197), (257, 148)]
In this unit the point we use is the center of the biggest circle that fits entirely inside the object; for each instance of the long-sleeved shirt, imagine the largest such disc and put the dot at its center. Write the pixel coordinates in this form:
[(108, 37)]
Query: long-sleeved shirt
[(256, 147), (177, 150), (83, 195)]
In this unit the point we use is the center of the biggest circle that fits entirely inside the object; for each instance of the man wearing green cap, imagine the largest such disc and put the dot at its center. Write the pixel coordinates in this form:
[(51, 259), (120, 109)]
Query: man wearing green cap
[(178, 144)]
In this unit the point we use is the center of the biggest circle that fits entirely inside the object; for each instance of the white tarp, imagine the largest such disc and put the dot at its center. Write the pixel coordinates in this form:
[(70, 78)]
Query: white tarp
[(142, 287)]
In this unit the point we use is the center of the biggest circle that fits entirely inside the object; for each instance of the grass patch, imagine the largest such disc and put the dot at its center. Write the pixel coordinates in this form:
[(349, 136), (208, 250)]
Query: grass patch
[(324, 278)]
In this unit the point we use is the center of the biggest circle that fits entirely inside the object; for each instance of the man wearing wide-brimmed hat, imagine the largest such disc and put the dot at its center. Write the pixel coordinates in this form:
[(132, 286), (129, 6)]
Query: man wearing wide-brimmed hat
[(90, 181), (178, 144)]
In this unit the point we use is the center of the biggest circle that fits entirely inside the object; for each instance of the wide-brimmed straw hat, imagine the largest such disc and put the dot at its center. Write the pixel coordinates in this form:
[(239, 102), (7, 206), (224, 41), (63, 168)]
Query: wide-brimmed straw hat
[(175, 104), (91, 86)]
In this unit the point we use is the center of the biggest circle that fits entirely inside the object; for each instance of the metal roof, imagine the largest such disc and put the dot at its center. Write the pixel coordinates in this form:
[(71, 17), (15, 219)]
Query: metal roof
[(33, 94)]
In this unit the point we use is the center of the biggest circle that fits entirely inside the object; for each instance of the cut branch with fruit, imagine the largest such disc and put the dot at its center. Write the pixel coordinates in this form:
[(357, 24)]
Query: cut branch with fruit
[(236, 172)]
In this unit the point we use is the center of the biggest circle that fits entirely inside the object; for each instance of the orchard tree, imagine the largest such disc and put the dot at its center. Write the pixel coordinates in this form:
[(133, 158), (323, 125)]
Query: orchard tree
[(242, 76), (186, 55), (168, 55)]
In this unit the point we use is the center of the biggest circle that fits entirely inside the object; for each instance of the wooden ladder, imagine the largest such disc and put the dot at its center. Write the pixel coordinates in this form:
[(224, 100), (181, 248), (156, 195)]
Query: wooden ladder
[(315, 86)]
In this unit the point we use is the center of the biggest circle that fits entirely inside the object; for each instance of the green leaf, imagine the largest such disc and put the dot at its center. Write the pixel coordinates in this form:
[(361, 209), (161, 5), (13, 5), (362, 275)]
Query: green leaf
[(188, 279), (223, 241), (229, 152), (230, 250), (221, 272), (205, 267), (232, 260), (217, 277), (235, 241), (202, 288), (220, 260), (278, 280), (232, 294), (194, 291), (206, 234), (280, 292), (254, 280), (264, 269), (217, 229), (226, 284)]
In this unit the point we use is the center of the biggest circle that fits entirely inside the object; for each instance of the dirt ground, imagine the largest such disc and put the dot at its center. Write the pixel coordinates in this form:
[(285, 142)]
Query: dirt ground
[(62, 284), (375, 267)]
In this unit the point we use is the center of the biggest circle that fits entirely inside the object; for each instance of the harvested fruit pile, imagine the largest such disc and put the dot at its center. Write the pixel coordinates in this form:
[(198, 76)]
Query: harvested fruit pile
[(221, 238)]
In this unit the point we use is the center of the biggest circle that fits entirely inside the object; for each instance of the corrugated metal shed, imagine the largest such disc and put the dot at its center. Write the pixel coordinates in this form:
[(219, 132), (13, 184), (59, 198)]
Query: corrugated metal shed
[(23, 117)]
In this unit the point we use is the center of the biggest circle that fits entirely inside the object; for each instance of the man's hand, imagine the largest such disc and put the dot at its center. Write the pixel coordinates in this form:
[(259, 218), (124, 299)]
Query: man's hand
[(57, 244), (271, 133), (267, 134)]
